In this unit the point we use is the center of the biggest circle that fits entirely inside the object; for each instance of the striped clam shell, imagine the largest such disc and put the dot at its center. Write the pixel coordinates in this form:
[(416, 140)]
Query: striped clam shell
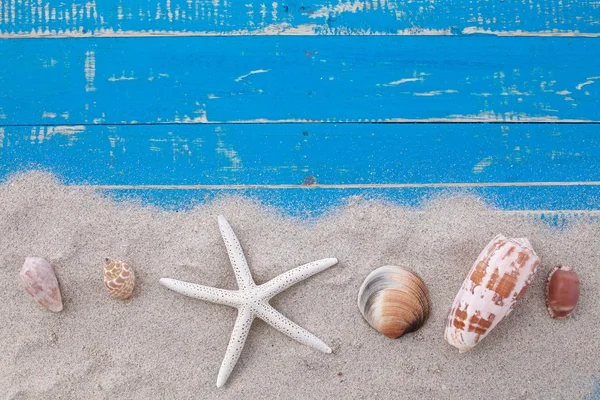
[(119, 279), (498, 279), (394, 301)]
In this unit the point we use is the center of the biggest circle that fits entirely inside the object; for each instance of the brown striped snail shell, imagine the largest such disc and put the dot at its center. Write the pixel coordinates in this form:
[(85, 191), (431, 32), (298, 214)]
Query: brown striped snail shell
[(394, 300), (119, 279), (562, 292)]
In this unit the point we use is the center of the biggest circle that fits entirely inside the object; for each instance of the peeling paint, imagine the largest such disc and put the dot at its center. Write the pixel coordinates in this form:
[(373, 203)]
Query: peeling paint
[(257, 71), (589, 81), (482, 164), (405, 80), (50, 115), (435, 92), (71, 18), (114, 78), (230, 154), (89, 69)]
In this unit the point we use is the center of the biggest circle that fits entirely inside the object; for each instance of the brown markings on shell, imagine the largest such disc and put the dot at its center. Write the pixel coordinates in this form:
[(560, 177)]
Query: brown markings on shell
[(119, 279), (480, 270), (459, 317), (562, 292), (480, 325), (502, 286)]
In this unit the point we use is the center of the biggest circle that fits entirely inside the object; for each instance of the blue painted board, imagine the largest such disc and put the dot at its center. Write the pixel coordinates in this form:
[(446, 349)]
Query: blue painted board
[(300, 154), (107, 17), (274, 79)]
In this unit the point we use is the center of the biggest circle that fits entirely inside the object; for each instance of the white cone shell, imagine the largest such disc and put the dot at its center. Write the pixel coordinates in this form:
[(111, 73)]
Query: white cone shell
[(498, 279)]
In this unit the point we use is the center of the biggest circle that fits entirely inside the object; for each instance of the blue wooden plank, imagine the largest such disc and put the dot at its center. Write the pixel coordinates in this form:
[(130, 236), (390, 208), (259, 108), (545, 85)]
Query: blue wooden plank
[(274, 79), (307, 154), (139, 17)]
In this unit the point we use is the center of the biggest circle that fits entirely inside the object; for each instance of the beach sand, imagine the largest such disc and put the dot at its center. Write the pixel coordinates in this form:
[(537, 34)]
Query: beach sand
[(162, 345)]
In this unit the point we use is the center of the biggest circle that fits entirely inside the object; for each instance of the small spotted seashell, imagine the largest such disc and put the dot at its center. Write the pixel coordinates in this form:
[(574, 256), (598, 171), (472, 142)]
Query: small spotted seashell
[(394, 301), (119, 279), (562, 292), (39, 280)]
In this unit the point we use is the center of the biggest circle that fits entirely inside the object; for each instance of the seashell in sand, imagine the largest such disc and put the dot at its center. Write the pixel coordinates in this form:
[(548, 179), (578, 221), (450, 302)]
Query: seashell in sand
[(498, 279), (119, 279), (39, 280), (394, 301), (562, 292)]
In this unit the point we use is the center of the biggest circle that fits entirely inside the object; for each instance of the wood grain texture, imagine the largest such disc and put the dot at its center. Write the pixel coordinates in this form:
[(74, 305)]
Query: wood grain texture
[(32, 18), (299, 79), (428, 155)]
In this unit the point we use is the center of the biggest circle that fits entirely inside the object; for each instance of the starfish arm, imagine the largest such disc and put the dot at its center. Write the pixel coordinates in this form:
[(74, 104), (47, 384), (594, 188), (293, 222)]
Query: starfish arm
[(293, 276), (236, 255), (206, 293), (290, 328), (236, 344)]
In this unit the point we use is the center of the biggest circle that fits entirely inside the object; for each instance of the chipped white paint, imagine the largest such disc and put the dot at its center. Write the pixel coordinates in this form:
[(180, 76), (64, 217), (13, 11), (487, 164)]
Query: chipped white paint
[(50, 115), (230, 154), (435, 92), (50, 63), (44, 133), (89, 69), (519, 33), (68, 129), (405, 80), (352, 7), (482, 164), (220, 15), (1, 138), (251, 300), (257, 71), (123, 77), (563, 93), (589, 81), (482, 117), (280, 29)]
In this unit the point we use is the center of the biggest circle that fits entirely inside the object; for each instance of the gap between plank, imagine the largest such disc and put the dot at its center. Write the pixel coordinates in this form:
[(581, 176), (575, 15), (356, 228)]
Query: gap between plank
[(108, 34), (436, 121)]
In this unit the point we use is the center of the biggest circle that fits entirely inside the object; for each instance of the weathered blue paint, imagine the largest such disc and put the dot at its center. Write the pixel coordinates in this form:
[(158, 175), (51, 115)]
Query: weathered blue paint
[(291, 17), (344, 154), (297, 154), (270, 79)]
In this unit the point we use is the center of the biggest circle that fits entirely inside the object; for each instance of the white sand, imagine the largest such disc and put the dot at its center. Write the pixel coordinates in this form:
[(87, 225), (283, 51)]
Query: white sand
[(164, 345)]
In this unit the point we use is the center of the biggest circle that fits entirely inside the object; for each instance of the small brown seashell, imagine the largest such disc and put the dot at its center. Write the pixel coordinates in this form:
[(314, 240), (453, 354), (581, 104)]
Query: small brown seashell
[(119, 279), (562, 292), (39, 280), (394, 301)]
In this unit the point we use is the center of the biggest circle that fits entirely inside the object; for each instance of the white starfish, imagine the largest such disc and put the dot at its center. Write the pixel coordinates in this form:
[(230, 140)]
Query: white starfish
[(251, 300)]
